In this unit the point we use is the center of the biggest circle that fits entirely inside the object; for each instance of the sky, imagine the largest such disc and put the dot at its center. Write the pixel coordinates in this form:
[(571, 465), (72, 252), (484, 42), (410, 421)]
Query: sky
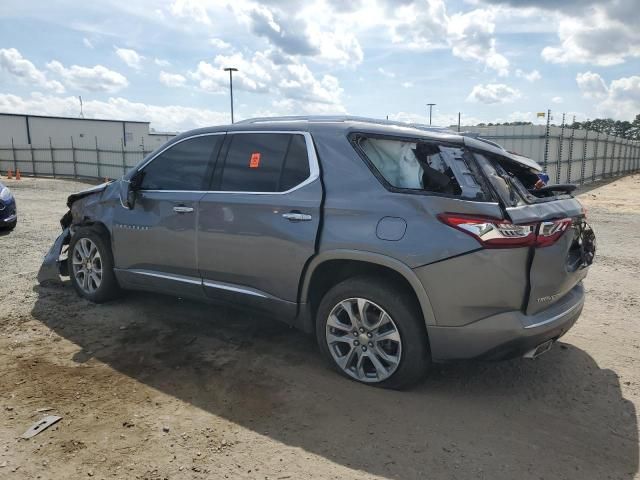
[(163, 60)]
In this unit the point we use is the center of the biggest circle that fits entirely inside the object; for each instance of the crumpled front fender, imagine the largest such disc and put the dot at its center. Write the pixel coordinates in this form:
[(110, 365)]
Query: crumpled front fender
[(52, 267)]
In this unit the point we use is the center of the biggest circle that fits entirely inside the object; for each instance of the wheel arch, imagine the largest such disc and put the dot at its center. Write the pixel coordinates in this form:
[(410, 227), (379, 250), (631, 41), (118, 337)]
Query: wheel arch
[(361, 261)]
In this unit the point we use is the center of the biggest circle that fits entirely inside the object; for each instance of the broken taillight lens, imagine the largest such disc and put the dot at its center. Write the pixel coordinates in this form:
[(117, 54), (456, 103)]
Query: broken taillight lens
[(550, 232), (498, 233), (491, 232)]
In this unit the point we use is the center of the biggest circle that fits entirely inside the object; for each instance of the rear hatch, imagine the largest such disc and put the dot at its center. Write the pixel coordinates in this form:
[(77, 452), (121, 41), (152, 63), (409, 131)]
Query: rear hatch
[(562, 245)]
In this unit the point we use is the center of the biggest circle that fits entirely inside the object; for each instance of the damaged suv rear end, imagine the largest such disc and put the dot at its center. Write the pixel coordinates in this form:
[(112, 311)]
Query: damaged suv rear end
[(506, 278)]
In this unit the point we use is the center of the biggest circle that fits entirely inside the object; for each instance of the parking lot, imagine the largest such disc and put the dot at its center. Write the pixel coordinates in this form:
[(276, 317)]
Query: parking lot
[(156, 387)]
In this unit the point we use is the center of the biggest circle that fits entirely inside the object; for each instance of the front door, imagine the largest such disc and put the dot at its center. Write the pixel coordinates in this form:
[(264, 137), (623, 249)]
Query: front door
[(155, 241), (257, 228)]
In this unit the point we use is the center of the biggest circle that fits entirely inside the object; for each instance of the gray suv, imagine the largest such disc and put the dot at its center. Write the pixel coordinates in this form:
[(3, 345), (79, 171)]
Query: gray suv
[(398, 245)]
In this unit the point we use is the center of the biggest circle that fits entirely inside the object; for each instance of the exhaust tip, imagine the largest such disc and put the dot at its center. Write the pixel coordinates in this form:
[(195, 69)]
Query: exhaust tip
[(540, 349)]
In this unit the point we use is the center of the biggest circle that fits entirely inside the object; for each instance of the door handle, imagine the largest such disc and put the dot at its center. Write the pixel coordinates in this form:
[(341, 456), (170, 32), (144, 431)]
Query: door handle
[(182, 209), (297, 217)]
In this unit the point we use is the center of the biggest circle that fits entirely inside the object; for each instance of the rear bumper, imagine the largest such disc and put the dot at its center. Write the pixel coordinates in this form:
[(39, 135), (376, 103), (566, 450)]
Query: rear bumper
[(508, 334)]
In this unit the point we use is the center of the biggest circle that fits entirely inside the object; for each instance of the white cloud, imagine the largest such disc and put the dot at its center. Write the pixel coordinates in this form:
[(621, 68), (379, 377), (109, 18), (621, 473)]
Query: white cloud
[(130, 57), (162, 117), (219, 44), (531, 76), (557, 100), (591, 85), (470, 35), (620, 99), (292, 82), (191, 9), (406, 84), (386, 73), (472, 38), (87, 43), (93, 79), (599, 37), (172, 79), (13, 64), (161, 62), (493, 93)]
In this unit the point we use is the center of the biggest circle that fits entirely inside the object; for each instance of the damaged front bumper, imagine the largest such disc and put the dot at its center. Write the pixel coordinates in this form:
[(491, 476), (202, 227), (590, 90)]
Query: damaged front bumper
[(52, 266)]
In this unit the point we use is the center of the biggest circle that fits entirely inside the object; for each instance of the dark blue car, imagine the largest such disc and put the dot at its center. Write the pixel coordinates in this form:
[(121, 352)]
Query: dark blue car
[(8, 211)]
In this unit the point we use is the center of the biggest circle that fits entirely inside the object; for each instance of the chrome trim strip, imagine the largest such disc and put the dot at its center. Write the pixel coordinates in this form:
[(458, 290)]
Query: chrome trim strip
[(192, 280), (556, 317), (165, 276), (314, 166), (10, 218), (232, 288)]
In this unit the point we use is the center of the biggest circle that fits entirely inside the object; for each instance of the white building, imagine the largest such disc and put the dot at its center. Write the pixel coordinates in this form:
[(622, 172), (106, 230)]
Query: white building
[(41, 131)]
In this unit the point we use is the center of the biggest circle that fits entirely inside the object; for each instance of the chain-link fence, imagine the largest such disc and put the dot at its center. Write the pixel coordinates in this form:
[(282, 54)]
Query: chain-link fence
[(567, 155)]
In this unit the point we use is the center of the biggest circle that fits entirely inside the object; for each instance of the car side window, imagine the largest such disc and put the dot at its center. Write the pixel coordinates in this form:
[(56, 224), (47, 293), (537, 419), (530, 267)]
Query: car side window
[(423, 166), (184, 166), (265, 162)]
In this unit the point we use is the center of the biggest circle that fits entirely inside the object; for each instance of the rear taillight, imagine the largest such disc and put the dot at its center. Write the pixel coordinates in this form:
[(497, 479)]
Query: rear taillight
[(498, 233), (550, 232), (491, 232)]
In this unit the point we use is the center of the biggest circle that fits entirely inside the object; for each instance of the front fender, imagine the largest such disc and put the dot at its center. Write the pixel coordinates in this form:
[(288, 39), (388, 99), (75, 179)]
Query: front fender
[(52, 267)]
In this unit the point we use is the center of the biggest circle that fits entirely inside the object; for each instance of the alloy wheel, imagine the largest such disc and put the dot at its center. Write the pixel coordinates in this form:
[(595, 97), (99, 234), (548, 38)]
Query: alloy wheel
[(363, 339), (87, 265)]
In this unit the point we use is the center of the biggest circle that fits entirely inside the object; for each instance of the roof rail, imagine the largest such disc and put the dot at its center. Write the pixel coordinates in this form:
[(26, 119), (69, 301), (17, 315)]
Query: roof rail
[(339, 118)]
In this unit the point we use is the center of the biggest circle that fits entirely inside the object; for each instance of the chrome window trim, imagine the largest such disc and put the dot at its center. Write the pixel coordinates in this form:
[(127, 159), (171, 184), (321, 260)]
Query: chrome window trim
[(312, 157), (173, 145)]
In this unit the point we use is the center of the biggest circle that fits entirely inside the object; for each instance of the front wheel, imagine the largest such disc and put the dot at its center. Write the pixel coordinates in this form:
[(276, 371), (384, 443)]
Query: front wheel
[(91, 266), (372, 332)]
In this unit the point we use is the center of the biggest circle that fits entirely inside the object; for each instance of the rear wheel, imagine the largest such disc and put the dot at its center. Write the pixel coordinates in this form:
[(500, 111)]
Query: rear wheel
[(91, 266), (372, 332)]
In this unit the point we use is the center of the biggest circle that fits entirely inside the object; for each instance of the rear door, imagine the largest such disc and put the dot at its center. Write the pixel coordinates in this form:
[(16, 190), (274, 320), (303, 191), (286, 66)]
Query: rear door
[(565, 244), (257, 227)]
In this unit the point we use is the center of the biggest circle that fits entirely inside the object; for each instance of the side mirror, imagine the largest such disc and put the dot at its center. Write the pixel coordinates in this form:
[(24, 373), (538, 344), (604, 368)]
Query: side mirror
[(128, 190), (131, 197)]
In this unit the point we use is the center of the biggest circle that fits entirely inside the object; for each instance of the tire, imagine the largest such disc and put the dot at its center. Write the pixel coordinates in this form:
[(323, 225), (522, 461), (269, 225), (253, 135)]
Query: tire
[(400, 346), (91, 253)]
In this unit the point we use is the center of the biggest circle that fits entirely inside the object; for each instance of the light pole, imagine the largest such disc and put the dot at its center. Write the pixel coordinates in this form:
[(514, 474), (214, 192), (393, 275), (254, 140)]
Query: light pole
[(231, 70), (430, 105)]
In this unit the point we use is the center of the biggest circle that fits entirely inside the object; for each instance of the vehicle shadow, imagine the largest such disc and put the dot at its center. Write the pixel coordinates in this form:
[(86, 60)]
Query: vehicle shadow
[(560, 416)]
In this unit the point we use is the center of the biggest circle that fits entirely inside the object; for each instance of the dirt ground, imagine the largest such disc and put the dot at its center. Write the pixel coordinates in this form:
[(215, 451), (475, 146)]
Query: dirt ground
[(153, 387)]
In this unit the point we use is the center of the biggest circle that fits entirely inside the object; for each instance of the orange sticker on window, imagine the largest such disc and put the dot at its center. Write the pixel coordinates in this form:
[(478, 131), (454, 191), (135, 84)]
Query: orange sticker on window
[(255, 160)]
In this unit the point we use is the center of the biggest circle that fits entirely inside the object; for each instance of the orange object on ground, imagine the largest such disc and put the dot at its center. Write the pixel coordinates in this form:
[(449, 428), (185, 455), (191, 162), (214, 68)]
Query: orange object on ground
[(18, 174), (9, 174)]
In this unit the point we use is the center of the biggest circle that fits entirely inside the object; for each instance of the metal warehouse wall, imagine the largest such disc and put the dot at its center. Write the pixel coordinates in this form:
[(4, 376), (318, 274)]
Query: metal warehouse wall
[(22, 130), (567, 155)]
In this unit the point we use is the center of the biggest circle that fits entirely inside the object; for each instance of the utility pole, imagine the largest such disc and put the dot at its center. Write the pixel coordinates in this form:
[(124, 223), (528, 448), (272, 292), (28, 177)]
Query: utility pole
[(231, 70), (458, 121), (81, 112), (430, 105)]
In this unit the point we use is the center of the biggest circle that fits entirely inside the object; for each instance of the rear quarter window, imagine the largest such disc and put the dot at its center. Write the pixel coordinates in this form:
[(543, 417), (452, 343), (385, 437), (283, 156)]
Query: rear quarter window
[(419, 166)]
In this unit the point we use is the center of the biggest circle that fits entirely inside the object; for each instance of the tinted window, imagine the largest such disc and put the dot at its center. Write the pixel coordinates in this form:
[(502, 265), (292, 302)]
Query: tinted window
[(265, 162), (185, 166)]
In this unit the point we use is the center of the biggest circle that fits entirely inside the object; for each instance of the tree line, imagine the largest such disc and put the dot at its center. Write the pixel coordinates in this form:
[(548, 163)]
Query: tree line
[(618, 128)]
